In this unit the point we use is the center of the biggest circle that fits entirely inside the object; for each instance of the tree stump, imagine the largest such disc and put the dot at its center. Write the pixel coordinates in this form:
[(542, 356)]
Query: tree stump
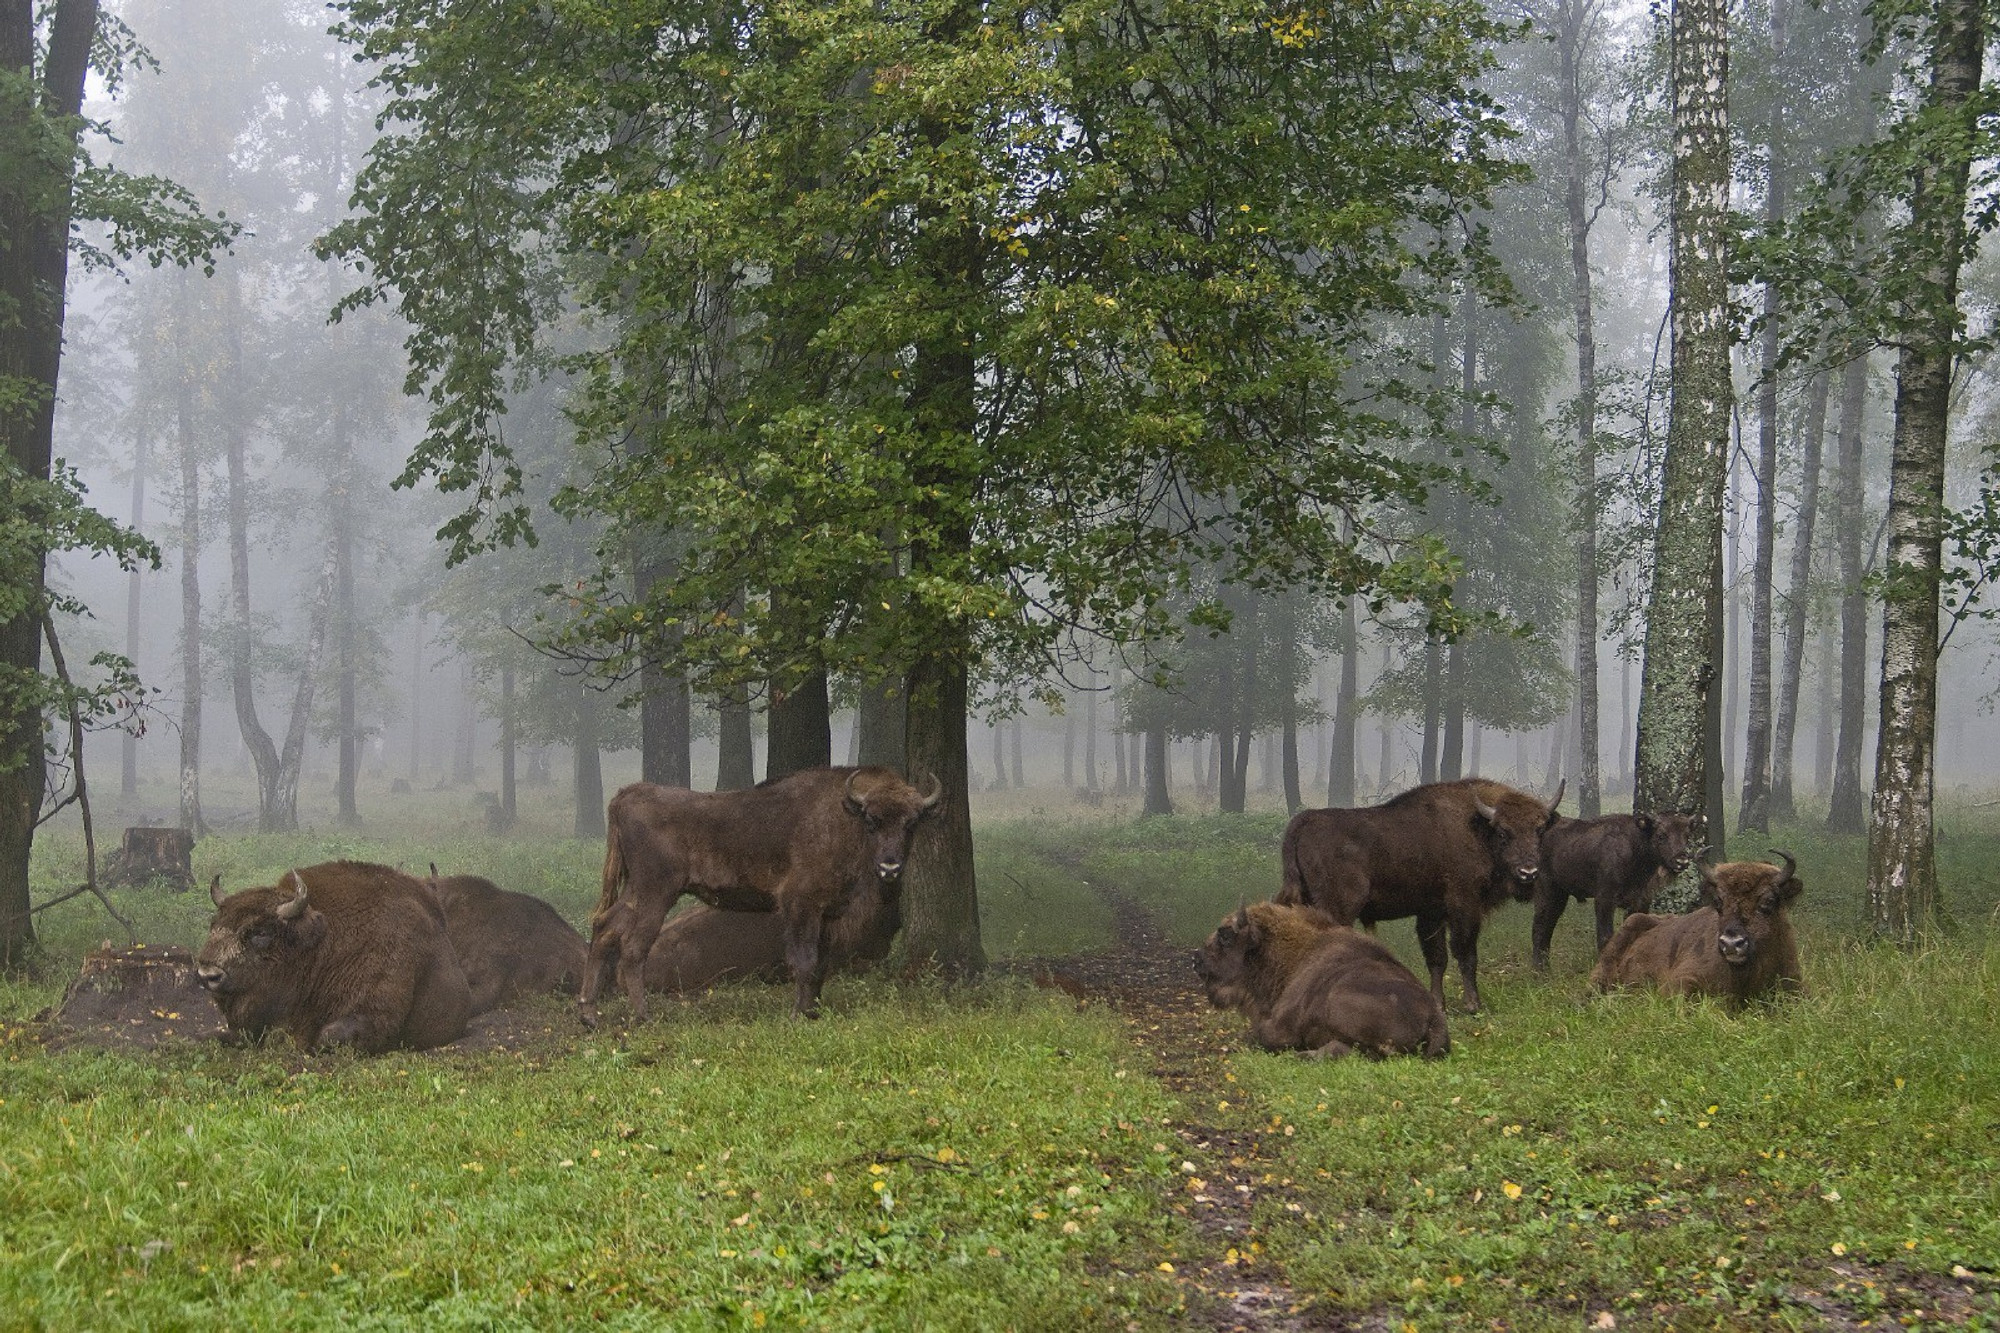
[(136, 997), (148, 854)]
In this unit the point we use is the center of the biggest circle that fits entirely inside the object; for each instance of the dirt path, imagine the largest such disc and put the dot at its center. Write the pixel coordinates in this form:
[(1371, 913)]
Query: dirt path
[(1232, 1158)]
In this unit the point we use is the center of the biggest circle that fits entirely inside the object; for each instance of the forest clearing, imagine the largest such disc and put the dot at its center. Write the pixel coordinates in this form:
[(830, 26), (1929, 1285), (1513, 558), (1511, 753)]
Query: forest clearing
[(1096, 1150)]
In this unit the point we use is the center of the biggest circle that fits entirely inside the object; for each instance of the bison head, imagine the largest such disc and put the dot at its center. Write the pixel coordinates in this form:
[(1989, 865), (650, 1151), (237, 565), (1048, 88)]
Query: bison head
[(1668, 835), (891, 809), (1512, 827), (255, 946), (1224, 962), (1747, 897)]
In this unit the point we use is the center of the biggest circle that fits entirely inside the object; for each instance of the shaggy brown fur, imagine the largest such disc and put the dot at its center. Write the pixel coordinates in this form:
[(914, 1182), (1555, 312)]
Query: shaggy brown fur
[(1447, 854), (702, 945), (1737, 945), (1307, 983), (1618, 861), (335, 954), (509, 944)]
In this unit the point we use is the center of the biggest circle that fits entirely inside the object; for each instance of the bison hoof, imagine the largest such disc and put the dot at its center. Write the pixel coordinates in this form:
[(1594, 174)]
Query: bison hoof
[(587, 1017)]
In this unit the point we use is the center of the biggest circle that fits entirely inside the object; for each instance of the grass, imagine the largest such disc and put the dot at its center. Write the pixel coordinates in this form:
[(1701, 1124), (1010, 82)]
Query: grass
[(992, 1157)]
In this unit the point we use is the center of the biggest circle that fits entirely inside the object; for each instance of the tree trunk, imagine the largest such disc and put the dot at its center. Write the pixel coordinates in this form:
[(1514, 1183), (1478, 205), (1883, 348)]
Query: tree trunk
[(128, 743), (1797, 602), (191, 674), (587, 766), (1119, 773), (1090, 741), (880, 721), (1846, 805), (1574, 18), (347, 650), (34, 267), (1020, 777), (1340, 777), (1672, 769), (1451, 765), (1158, 802), (468, 726), (1069, 751), (999, 756), (799, 729), (941, 907), (1732, 640), (1829, 709), (1383, 774), (509, 807), (416, 697), (1902, 871), (666, 721), (736, 745), (1433, 706)]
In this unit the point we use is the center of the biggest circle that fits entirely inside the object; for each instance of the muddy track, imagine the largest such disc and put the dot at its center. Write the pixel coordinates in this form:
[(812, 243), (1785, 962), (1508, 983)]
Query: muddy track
[(1233, 1159)]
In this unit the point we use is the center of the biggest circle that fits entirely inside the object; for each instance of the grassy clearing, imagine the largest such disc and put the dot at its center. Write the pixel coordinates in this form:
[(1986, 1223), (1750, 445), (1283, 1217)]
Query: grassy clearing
[(972, 1163)]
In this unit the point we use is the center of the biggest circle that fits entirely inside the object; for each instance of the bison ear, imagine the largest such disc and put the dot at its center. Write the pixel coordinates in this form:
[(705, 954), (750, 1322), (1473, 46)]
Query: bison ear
[(215, 894)]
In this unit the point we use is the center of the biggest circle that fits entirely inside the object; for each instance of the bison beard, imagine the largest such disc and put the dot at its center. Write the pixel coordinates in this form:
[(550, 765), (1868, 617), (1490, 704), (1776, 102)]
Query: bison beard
[(510, 944), (1447, 854), (336, 954), (802, 845), (1737, 945), (1617, 860), (1307, 983)]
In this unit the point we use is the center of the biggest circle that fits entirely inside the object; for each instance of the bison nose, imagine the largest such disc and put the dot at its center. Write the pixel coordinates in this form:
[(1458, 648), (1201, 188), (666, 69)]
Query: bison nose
[(889, 869), (1526, 873), (210, 976), (1735, 945)]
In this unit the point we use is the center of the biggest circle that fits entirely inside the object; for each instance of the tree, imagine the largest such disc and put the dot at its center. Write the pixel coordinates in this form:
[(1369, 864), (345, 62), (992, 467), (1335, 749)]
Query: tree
[(1679, 686), (48, 182)]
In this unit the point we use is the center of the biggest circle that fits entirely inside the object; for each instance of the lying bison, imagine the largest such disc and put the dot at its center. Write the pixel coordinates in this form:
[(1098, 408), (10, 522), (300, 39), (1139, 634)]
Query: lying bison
[(1737, 944), (1618, 861), (1447, 854), (1307, 983), (336, 954), (702, 945), (802, 846), (510, 944)]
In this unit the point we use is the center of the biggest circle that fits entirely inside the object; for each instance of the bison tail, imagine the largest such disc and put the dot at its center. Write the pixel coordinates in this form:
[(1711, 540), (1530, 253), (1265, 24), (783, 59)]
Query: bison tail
[(1437, 1037), (614, 874), (1292, 891)]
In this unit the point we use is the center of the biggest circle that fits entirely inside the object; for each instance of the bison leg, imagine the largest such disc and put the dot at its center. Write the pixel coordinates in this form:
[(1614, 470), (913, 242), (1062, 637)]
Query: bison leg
[(803, 932), (340, 1032), (1605, 926), (1549, 905), (1431, 935), (1465, 947)]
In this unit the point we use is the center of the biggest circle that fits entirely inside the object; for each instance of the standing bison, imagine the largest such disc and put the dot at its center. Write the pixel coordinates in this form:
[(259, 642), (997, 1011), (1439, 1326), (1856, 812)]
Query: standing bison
[(336, 954), (702, 945), (1309, 984), (510, 944), (802, 845), (1738, 944), (1617, 860), (1447, 854)]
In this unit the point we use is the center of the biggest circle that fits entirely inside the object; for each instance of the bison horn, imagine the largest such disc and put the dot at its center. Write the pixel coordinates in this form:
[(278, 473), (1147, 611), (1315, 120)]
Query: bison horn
[(1562, 786), (1791, 866), (295, 908), (935, 793), (215, 889), (1486, 812), (1704, 861), (847, 797)]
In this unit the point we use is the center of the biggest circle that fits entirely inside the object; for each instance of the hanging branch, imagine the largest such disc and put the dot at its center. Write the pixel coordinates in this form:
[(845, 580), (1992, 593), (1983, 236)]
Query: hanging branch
[(82, 794)]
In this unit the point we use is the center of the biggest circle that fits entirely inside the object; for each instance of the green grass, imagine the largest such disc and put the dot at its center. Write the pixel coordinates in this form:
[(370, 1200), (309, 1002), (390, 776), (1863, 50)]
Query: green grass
[(914, 1161)]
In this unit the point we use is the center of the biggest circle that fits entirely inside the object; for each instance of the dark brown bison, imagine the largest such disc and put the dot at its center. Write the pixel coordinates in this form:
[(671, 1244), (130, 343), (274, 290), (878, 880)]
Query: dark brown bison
[(1737, 944), (510, 944), (1307, 983), (335, 954), (1447, 854), (702, 945), (802, 846), (1619, 861)]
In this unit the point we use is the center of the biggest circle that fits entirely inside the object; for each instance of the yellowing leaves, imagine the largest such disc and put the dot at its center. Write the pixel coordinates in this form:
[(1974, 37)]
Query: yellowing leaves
[(1510, 1189)]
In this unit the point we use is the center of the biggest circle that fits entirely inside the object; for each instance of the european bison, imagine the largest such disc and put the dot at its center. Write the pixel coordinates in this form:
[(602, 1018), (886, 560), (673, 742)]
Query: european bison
[(1737, 944), (335, 954), (702, 945), (509, 944), (802, 845), (1307, 983), (1447, 854), (1618, 860)]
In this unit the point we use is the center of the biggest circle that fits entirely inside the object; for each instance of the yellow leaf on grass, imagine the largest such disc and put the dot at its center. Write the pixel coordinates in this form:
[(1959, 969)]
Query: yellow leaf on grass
[(1510, 1189)]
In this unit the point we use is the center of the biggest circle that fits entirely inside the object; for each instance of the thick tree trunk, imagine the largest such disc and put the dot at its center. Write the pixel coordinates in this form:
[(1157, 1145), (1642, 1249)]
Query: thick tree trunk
[(1090, 740), (799, 730), (735, 742), (1014, 735), (34, 266), (1902, 871), (1829, 708), (941, 907), (1847, 805), (1433, 706), (587, 765), (1384, 774), (1797, 601), (881, 724), (1672, 769), (1574, 19), (666, 709), (1158, 801), (1451, 764), (191, 673), (509, 745), (346, 631)]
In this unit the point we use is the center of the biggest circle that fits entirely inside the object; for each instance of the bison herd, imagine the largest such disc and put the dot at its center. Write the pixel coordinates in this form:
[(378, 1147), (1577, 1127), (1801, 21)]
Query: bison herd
[(802, 875)]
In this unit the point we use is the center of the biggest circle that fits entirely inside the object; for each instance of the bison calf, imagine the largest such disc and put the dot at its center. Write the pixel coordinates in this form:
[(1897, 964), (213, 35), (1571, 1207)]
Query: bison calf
[(1307, 983), (509, 944), (1618, 861), (1738, 944), (702, 945), (335, 954)]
